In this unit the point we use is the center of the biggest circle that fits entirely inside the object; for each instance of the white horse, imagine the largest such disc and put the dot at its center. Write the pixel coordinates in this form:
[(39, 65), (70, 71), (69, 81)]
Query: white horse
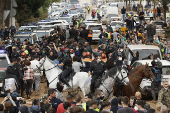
[(80, 78)]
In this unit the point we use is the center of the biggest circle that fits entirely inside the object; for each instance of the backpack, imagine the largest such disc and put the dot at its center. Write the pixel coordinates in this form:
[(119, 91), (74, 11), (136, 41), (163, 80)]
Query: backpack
[(157, 73)]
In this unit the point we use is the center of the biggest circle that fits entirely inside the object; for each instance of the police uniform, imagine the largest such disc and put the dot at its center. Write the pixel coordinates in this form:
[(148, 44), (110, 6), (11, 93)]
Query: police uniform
[(97, 68), (67, 69)]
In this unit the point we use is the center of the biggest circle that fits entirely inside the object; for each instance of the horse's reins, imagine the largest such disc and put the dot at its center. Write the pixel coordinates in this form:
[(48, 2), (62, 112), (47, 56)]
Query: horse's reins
[(113, 78), (47, 69), (139, 77)]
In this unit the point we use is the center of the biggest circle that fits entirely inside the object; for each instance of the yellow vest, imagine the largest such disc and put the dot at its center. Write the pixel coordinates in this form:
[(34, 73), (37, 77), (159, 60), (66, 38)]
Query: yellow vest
[(88, 8), (77, 23), (84, 106), (26, 52), (108, 35), (97, 11), (97, 109)]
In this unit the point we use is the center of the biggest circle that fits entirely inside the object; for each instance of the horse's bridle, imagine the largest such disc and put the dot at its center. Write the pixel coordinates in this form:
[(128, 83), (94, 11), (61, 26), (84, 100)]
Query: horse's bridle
[(109, 92), (41, 64), (141, 77)]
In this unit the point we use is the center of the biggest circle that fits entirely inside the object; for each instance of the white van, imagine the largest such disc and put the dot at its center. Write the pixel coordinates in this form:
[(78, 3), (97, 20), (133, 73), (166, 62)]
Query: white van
[(113, 5), (144, 52), (95, 28), (145, 86)]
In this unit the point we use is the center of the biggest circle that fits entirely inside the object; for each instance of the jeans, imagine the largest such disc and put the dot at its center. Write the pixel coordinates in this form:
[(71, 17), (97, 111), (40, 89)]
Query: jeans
[(29, 86), (123, 15), (37, 83)]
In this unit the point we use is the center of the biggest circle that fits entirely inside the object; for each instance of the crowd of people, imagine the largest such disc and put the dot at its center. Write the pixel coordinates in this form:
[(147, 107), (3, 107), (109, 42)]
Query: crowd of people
[(70, 49)]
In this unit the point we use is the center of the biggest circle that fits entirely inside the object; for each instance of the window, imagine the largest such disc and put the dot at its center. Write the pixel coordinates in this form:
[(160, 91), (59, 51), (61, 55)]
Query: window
[(95, 27), (145, 53), (136, 64), (166, 70)]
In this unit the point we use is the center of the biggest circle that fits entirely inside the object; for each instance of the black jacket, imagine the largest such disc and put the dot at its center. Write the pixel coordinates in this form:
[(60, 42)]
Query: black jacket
[(10, 78), (72, 33), (34, 109), (114, 105), (133, 58)]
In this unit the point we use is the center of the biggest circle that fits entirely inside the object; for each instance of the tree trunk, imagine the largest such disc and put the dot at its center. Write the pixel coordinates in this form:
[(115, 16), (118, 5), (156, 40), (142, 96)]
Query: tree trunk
[(148, 3), (126, 3), (140, 2), (164, 6)]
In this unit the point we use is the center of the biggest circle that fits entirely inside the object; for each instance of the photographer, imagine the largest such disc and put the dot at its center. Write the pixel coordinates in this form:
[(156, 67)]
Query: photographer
[(156, 85), (10, 106)]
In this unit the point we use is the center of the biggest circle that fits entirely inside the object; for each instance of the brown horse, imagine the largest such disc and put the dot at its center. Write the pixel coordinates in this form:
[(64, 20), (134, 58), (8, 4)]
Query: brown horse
[(135, 78)]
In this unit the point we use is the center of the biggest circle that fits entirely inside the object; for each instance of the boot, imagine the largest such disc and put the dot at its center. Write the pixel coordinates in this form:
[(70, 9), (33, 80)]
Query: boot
[(65, 82)]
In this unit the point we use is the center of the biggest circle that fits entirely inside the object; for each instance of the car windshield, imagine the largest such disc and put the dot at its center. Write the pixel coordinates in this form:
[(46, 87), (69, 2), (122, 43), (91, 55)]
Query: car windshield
[(144, 54), (100, 2), (114, 24), (3, 62), (41, 34), (22, 38), (73, 12), (58, 10), (95, 27), (158, 23), (86, 3), (113, 5), (67, 19), (166, 70), (111, 15), (24, 29)]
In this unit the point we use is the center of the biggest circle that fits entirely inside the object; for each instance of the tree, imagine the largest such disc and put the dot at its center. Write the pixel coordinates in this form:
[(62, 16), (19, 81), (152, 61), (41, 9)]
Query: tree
[(28, 9), (164, 4)]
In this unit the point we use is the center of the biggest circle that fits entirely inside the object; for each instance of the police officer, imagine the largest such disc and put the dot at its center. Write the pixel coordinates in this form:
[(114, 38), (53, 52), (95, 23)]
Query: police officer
[(118, 61), (155, 85), (97, 67), (67, 67)]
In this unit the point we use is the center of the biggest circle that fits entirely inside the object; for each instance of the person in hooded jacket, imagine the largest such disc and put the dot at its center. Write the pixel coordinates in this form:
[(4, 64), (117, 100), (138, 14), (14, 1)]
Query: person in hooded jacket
[(35, 108), (10, 78), (114, 105)]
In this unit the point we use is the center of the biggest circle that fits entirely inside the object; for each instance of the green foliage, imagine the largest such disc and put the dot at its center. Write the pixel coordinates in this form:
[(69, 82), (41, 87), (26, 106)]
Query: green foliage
[(30, 10)]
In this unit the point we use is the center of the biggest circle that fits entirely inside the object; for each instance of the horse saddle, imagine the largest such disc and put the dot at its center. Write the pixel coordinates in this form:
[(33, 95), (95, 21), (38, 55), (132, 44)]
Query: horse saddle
[(70, 77)]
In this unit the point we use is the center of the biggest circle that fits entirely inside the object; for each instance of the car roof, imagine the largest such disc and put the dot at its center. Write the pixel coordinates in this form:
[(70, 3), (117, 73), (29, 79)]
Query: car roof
[(29, 26), (132, 47), (164, 62), (93, 24)]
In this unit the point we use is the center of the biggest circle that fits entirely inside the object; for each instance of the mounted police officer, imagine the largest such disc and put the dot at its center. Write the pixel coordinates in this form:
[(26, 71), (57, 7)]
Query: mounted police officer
[(118, 61), (67, 67), (97, 67), (155, 85)]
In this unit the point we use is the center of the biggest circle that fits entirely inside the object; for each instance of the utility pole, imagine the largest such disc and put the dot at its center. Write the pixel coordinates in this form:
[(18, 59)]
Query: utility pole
[(11, 13)]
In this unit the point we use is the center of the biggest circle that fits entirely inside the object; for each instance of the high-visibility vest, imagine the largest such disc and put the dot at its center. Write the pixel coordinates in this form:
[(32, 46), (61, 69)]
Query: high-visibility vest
[(108, 34), (90, 34), (26, 52), (77, 23), (162, 52), (97, 11), (97, 109), (118, 40), (81, 20), (88, 8), (87, 60), (84, 106)]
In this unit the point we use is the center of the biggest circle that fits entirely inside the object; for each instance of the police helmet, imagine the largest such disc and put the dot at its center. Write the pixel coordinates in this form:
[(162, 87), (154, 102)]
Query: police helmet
[(66, 51)]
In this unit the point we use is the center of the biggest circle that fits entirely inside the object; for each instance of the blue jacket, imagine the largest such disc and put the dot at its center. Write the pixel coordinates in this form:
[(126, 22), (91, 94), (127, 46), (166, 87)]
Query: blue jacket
[(157, 73), (55, 102)]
